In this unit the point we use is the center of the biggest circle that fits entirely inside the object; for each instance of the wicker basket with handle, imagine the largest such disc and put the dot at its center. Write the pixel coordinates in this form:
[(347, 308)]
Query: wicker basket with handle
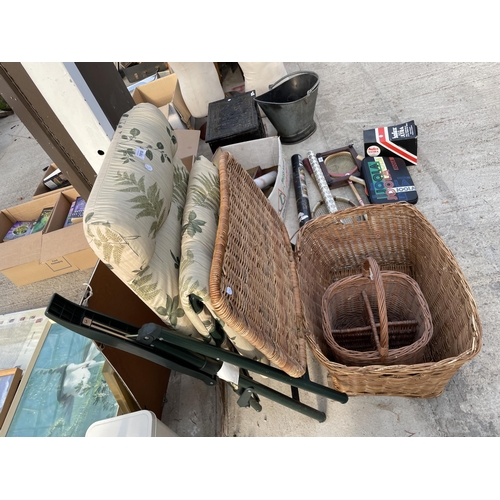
[(400, 238), (396, 333)]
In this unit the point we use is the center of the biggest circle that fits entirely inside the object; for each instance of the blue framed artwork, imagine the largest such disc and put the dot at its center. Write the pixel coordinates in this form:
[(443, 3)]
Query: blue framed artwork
[(64, 391)]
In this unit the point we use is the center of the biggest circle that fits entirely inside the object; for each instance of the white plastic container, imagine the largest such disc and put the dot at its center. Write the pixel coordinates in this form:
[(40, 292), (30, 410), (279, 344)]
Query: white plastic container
[(143, 423)]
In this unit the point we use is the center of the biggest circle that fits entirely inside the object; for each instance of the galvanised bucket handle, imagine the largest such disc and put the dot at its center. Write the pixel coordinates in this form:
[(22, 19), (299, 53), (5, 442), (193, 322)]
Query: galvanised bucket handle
[(289, 76)]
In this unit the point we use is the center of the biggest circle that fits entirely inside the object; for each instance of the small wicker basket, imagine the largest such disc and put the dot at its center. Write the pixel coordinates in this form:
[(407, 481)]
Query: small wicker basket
[(398, 331)]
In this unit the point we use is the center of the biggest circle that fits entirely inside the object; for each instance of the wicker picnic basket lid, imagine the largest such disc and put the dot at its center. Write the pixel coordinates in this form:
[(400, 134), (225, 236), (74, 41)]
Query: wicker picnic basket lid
[(253, 279), (397, 333)]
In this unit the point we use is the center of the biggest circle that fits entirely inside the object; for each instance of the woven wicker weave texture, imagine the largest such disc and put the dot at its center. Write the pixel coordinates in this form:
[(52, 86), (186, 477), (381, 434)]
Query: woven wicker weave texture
[(253, 280), (253, 285), (399, 238), (391, 298)]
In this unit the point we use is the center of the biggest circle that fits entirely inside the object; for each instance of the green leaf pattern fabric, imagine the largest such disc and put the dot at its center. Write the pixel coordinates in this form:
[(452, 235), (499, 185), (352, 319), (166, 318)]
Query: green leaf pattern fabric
[(133, 216), (199, 228), (154, 225)]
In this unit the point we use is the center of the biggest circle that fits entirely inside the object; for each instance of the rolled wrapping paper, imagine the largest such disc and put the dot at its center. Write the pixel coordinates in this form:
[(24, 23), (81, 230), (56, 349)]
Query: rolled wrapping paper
[(300, 186), (323, 186), (266, 180)]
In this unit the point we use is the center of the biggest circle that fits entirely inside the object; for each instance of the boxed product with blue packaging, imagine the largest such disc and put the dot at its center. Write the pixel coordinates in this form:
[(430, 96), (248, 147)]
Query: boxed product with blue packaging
[(388, 180)]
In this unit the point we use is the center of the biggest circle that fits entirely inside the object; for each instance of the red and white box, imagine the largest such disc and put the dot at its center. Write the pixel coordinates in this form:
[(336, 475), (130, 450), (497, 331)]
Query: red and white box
[(397, 141)]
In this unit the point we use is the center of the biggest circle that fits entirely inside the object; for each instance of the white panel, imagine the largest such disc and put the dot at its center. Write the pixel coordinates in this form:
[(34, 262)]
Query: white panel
[(69, 105), (89, 97)]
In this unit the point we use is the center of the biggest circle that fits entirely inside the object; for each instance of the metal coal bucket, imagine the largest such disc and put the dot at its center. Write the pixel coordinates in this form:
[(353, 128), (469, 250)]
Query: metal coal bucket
[(290, 104)]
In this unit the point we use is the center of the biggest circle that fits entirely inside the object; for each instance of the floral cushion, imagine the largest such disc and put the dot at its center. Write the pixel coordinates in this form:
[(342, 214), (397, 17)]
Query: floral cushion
[(199, 228), (134, 212)]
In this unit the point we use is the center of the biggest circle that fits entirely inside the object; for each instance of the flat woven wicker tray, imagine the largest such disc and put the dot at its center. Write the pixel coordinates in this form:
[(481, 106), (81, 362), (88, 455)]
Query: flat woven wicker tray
[(253, 280)]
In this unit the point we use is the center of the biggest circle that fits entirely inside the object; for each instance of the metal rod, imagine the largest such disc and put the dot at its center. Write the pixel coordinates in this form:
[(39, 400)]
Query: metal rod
[(178, 339), (283, 400)]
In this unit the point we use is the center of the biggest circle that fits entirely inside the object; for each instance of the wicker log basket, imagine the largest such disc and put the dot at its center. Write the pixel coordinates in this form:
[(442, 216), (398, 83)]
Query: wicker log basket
[(273, 296), (376, 318), (399, 238)]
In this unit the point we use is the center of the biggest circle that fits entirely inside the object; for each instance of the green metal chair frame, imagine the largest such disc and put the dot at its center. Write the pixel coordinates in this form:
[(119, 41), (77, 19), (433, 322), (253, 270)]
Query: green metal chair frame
[(191, 357)]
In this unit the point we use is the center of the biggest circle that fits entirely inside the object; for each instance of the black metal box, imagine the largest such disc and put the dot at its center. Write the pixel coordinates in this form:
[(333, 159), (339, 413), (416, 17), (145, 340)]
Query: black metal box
[(232, 120)]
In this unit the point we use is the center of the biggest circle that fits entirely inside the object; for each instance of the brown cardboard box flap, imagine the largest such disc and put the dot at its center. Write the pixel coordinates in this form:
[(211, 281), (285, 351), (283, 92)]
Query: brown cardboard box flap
[(187, 143), (20, 251), (161, 92), (62, 242)]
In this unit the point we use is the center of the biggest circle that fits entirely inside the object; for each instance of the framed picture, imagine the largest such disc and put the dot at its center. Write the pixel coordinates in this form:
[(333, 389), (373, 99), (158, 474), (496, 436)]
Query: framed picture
[(63, 391), (9, 382)]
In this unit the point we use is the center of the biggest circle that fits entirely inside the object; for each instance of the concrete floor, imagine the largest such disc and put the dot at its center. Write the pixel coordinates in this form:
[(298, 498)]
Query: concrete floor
[(457, 109)]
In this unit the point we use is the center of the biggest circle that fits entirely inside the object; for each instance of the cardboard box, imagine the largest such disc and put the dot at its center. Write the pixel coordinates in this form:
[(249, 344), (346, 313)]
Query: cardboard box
[(66, 248), (19, 258), (187, 146), (48, 253), (188, 162), (165, 93), (187, 143), (264, 153), (146, 380), (398, 141), (42, 189), (388, 180)]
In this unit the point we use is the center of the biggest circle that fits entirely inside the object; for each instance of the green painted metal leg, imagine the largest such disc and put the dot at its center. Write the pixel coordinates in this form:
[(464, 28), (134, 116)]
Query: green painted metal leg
[(189, 356)]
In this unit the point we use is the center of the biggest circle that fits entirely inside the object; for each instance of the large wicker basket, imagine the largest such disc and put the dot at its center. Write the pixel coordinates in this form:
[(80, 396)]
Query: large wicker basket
[(273, 296), (377, 317), (399, 238)]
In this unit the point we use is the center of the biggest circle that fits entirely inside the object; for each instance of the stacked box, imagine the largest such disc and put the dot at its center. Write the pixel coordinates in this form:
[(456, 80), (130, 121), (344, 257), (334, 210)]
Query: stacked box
[(399, 141), (264, 153), (233, 120)]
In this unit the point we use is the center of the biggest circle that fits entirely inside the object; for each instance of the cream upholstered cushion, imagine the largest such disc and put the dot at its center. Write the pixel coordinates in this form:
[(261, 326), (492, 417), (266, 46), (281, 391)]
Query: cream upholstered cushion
[(259, 75), (134, 212), (199, 228)]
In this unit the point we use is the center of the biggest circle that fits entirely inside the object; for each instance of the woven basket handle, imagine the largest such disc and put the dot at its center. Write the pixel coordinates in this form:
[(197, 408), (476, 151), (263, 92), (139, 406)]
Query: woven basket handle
[(372, 271)]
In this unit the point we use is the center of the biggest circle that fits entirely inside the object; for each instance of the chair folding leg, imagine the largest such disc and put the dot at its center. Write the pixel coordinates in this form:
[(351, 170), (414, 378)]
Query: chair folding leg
[(186, 355), (278, 397)]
